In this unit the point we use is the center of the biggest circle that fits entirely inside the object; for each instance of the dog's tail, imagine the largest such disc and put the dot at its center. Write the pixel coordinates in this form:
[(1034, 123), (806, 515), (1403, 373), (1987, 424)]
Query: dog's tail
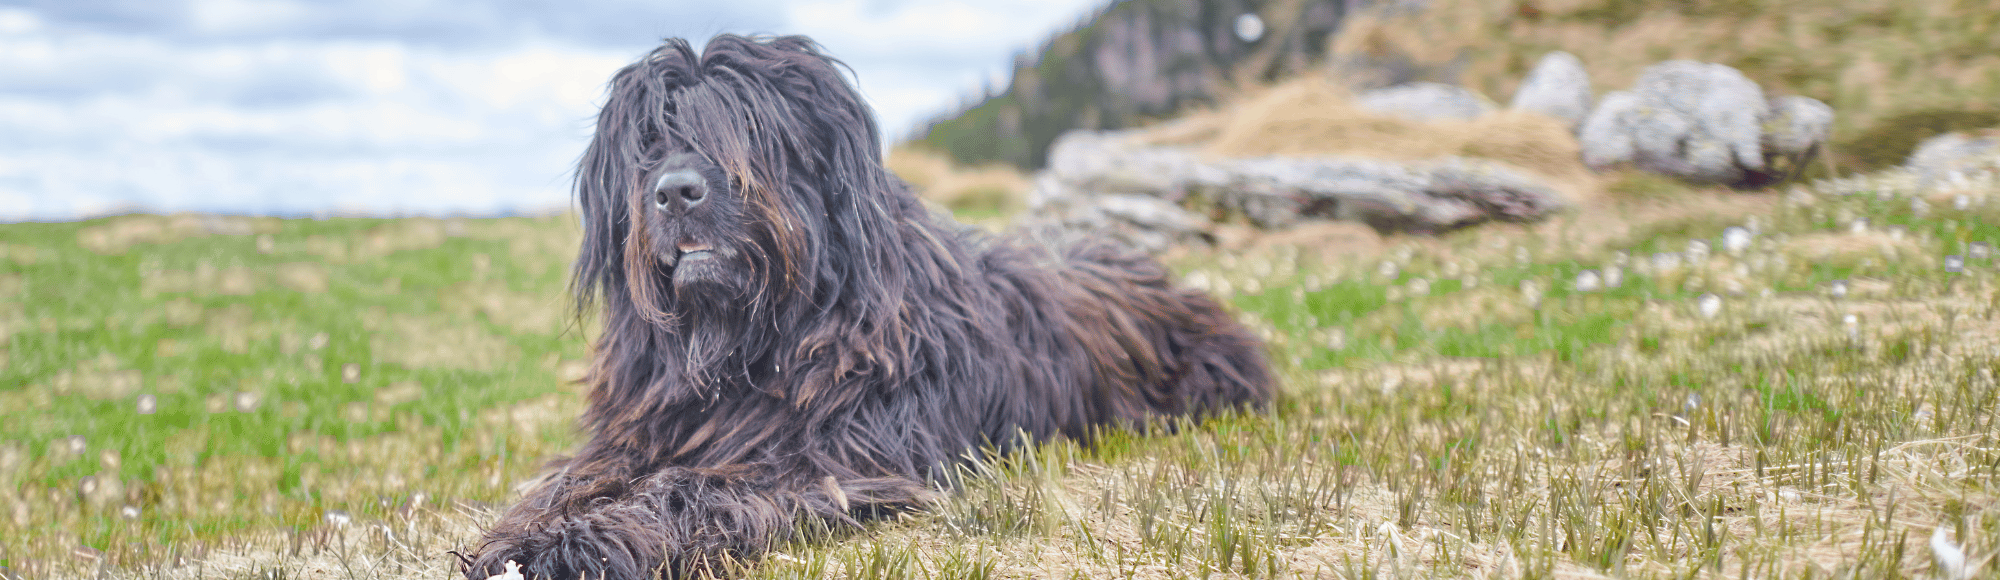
[(1159, 350)]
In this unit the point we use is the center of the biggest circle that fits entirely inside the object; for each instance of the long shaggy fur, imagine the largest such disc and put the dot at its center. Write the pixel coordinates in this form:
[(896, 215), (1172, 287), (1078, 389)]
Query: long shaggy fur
[(792, 341)]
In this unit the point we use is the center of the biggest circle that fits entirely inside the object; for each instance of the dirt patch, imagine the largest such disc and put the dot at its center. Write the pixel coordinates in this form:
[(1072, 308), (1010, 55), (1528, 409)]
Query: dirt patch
[(1854, 248), (1312, 116), (519, 311), (935, 177), (435, 342), (119, 234), (99, 379), (304, 277)]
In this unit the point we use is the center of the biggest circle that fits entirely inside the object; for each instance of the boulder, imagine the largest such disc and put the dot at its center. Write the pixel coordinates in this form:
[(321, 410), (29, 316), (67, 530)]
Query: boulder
[(1423, 197), (1152, 197), (1955, 156), (1704, 123), (1558, 87), (1425, 101)]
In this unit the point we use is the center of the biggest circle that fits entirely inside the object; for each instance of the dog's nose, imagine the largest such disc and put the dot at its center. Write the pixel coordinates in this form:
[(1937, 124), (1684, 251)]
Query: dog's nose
[(679, 189)]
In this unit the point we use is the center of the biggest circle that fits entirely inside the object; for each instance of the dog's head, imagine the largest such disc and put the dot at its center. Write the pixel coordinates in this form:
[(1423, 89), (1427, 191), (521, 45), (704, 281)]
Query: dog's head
[(727, 181)]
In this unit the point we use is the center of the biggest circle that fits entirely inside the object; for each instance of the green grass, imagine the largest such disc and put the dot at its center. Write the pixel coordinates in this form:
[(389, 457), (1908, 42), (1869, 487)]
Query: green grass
[(268, 391), (1464, 411)]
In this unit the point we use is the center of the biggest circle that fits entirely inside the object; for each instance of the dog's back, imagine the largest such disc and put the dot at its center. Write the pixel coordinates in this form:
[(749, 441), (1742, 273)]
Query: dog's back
[(1153, 351)]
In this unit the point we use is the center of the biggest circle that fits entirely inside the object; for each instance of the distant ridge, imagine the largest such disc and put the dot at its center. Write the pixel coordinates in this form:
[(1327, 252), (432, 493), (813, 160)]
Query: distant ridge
[(1136, 60)]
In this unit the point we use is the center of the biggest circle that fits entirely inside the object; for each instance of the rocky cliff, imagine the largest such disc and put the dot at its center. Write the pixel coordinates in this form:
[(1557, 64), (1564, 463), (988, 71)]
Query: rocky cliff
[(1138, 60)]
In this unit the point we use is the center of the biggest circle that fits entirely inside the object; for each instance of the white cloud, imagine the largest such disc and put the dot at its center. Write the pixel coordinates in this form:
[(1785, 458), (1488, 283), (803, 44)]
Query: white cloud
[(380, 107), (917, 59), (19, 21)]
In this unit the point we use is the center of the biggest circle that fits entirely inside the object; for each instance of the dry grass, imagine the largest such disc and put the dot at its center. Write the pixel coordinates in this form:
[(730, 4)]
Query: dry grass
[(1453, 407), (995, 189), (1311, 116)]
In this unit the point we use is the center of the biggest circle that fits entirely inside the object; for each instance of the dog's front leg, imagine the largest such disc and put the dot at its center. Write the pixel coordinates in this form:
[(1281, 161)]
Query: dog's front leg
[(679, 520)]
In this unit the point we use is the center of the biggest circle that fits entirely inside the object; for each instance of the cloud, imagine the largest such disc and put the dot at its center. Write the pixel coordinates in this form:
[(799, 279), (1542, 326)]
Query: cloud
[(391, 107)]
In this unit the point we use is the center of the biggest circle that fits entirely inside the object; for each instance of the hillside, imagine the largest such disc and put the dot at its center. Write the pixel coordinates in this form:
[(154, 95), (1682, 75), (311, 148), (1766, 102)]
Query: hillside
[(1894, 73)]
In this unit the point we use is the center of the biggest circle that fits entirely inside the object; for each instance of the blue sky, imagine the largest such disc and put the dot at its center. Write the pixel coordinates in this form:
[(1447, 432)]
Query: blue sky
[(404, 107)]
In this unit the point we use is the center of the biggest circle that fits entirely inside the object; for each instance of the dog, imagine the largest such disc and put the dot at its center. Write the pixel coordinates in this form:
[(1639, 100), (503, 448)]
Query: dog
[(793, 341)]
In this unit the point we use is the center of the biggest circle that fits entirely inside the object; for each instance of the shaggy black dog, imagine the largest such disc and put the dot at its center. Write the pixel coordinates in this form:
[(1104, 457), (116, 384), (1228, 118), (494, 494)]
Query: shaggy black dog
[(792, 341)]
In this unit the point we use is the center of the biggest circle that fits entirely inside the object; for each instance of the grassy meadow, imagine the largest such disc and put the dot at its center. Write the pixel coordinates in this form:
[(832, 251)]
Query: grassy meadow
[(1629, 390)]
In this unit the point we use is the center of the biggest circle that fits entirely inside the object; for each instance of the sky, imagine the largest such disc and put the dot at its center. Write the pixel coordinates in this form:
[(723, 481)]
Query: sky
[(407, 107)]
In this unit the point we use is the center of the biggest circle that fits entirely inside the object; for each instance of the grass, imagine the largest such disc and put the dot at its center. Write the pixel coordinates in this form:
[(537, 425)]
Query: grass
[(1452, 407)]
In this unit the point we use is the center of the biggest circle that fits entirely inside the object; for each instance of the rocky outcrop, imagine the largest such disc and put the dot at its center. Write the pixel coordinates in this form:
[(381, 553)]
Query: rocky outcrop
[(1704, 123), (1138, 59), (1558, 86), (1155, 197), (1425, 101), (1956, 157)]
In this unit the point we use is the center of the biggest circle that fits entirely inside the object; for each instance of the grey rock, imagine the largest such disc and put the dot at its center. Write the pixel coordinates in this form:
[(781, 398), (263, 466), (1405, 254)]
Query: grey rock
[(1698, 121), (1425, 101), (1558, 87), (1605, 137), (1115, 162), (1704, 123), (1151, 213), (1955, 156), (1434, 196), (1112, 185), (1796, 126)]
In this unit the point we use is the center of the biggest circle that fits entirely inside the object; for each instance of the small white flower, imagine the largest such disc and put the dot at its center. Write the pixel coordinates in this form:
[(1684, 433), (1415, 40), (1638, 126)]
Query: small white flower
[(1665, 261), (1589, 281), (338, 518), (1709, 304), (1954, 264), (246, 401), (1853, 324), (1979, 251), (1859, 226), (1735, 240), (513, 573), (1614, 277), (1388, 269), (148, 404), (1697, 251), (1950, 559), (1838, 288), (1960, 202)]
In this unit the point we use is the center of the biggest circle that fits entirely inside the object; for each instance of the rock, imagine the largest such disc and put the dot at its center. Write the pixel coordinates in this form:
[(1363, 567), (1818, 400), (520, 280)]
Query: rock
[(1704, 123), (1425, 101), (1113, 185), (1697, 121), (1429, 197), (1558, 87), (1115, 162), (1797, 126), (1151, 213), (1955, 156)]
